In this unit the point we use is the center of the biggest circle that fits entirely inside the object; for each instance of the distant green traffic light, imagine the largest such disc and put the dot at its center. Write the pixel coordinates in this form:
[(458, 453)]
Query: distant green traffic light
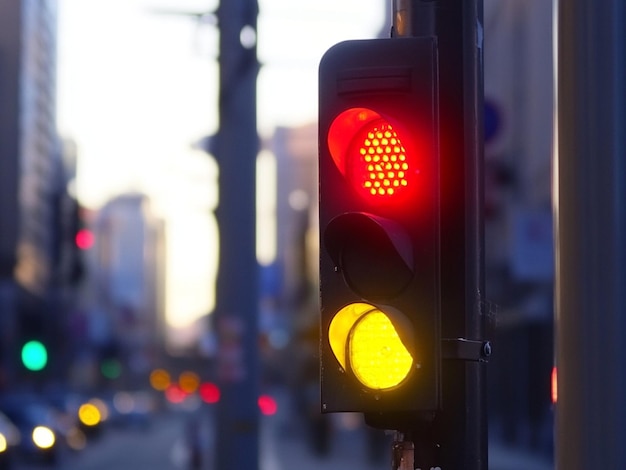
[(34, 355), (111, 369)]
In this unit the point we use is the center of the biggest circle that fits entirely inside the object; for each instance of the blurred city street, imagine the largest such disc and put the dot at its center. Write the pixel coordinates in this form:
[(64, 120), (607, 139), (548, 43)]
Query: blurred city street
[(188, 211), (161, 445)]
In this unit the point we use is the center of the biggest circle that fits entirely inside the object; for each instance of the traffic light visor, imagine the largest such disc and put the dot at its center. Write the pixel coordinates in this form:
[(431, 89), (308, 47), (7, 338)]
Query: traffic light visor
[(370, 152), (373, 344)]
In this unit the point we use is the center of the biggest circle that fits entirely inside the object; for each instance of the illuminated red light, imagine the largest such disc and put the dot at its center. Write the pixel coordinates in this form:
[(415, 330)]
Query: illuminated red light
[(267, 405), (382, 167), (370, 153), (209, 392), (84, 239), (175, 394), (553, 381)]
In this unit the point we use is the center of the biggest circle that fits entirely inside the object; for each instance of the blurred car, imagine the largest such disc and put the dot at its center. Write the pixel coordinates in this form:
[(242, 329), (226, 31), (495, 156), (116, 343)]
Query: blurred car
[(9, 439), (130, 409), (39, 426), (80, 417), (92, 415)]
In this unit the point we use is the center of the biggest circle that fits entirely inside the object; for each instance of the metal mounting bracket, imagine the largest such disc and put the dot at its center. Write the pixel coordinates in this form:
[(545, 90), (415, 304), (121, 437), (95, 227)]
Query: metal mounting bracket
[(465, 349)]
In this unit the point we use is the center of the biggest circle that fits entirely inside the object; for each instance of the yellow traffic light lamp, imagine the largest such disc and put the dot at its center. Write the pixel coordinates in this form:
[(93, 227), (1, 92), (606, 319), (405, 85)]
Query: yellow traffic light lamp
[(376, 344)]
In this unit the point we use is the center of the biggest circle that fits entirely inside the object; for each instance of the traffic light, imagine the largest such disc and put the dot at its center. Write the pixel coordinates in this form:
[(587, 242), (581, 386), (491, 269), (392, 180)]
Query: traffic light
[(34, 355), (379, 228), (84, 239)]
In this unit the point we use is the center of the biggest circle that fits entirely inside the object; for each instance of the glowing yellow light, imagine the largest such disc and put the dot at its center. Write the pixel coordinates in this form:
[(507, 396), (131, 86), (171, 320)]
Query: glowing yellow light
[(367, 342), (378, 357), (3, 443), (159, 379), (43, 437), (189, 381), (89, 414)]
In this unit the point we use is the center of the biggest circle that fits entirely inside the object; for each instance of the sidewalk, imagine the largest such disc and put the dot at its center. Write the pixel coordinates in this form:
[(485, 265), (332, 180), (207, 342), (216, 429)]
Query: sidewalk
[(284, 446), (289, 451)]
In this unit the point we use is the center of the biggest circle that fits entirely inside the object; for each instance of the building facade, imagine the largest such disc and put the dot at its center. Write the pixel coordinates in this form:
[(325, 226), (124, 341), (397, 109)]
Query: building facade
[(127, 299), (32, 176)]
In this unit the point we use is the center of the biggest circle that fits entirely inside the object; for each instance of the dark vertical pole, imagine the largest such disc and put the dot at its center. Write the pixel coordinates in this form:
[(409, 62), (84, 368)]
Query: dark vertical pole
[(590, 204), (237, 424), (457, 439), (464, 416)]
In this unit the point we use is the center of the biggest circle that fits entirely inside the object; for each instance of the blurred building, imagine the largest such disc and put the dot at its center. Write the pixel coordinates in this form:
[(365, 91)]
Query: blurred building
[(518, 216), (296, 208), (126, 303), (34, 205)]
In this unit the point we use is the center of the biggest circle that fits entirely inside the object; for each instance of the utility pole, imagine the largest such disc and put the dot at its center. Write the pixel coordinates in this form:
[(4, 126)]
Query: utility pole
[(235, 316), (590, 203), (457, 438)]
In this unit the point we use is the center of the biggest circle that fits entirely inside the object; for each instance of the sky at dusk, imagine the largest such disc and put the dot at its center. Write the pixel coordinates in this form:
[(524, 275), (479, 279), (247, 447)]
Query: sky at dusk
[(138, 87)]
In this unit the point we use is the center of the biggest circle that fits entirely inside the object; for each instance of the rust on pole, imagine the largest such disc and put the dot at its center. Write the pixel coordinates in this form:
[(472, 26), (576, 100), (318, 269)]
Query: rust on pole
[(403, 453)]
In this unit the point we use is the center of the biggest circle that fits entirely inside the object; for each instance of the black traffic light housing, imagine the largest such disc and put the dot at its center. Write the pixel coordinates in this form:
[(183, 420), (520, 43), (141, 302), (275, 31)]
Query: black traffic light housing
[(379, 225)]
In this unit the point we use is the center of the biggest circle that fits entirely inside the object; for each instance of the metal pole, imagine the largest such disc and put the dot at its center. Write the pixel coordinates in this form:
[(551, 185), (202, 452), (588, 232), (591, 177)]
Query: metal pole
[(457, 439), (237, 422), (590, 215)]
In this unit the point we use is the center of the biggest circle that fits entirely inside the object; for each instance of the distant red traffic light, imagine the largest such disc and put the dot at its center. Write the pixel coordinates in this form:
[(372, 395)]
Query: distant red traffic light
[(267, 405), (84, 239), (209, 392), (175, 394)]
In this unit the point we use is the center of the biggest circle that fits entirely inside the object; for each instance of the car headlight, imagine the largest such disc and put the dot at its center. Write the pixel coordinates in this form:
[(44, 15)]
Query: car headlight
[(43, 437), (89, 414), (3, 443)]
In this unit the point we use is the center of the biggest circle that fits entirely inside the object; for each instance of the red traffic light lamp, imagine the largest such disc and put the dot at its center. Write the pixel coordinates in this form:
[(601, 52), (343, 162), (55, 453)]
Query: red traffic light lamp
[(373, 157), (379, 227), (84, 239)]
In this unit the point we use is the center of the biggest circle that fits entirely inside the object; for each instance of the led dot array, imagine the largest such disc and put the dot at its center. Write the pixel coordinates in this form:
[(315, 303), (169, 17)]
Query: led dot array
[(383, 157)]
